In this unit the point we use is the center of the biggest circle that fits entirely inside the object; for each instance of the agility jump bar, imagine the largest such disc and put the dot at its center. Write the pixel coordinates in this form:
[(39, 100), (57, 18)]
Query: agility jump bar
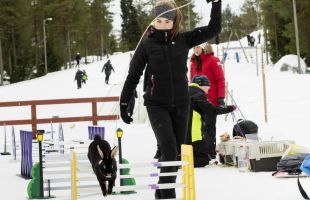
[(188, 178)]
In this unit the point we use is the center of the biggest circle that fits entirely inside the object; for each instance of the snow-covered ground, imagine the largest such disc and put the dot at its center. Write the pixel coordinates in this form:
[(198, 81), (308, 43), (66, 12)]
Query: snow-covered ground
[(288, 112)]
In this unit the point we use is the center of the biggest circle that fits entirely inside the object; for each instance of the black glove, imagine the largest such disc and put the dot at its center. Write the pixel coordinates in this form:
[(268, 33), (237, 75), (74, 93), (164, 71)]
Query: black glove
[(231, 108), (221, 101), (124, 114)]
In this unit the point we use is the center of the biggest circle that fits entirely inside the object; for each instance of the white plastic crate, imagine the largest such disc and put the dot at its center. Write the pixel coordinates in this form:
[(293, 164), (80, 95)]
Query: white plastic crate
[(256, 150)]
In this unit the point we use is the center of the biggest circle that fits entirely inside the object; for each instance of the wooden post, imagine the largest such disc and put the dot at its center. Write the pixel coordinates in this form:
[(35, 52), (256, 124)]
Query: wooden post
[(94, 112), (264, 88), (34, 121), (297, 36)]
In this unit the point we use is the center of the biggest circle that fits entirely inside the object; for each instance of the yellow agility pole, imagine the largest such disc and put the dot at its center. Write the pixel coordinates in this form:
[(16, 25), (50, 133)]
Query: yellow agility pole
[(188, 179), (74, 191)]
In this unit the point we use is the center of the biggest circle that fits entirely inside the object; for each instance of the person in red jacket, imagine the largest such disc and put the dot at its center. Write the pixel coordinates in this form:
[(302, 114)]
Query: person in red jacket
[(212, 68)]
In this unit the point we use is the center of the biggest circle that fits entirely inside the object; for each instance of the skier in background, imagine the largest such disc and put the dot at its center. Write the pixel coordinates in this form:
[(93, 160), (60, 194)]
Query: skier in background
[(107, 67), (78, 78), (78, 58)]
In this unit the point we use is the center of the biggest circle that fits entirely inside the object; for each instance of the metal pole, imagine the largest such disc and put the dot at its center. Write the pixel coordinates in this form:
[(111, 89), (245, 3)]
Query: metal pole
[(41, 169), (1, 63), (44, 41), (5, 153), (242, 47), (223, 59), (13, 143), (264, 87), (226, 99), (120, 157), (297, 36), (256, 50)]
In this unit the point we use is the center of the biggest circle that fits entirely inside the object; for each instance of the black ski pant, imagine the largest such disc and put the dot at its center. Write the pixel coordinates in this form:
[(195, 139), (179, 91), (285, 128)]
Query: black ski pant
[(170, 127), (107, 77), (79, 83)]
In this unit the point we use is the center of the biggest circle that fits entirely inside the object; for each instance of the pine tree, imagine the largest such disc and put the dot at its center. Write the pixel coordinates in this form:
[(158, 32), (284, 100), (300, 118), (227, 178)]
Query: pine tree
[(190, 18), (249, 17), (130, 27)]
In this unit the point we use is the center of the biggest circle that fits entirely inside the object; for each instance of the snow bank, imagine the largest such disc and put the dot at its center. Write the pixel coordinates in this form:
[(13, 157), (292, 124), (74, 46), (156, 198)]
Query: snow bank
[(290, 63)]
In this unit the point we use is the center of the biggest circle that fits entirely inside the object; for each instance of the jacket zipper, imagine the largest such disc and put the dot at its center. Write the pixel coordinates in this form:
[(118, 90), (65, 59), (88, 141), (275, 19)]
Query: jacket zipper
[(170, 72), (153, 85)]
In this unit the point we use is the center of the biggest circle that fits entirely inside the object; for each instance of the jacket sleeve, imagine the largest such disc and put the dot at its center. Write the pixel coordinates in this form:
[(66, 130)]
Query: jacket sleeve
[(223, 110), (137, 65), (219, 77), (103, 67), (205, 107), (205, 33), (202, 105)]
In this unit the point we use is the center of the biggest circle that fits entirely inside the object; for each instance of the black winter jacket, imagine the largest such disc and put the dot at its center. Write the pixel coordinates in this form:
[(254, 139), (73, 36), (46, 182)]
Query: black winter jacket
[(166, 59), (208, 112), (107, 67)]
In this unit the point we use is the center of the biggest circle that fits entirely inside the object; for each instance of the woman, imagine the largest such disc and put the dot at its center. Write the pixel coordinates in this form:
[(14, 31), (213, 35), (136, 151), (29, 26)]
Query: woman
[(210, 67), (166, 99), (197, 60), (213, 70)]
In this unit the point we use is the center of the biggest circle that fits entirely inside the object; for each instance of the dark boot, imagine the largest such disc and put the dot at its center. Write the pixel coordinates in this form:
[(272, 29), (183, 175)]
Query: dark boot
[(157, 194), (158, 153)]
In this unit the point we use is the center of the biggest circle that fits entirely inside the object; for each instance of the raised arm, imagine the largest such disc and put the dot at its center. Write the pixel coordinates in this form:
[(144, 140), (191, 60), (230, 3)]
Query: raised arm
[(205, 33)]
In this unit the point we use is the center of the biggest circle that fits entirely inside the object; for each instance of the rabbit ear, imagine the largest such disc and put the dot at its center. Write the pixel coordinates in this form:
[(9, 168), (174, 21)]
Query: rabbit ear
[(114, 152), (100, 152)]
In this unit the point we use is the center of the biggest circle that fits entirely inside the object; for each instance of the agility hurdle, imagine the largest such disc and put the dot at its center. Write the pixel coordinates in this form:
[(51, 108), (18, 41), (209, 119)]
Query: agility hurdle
[(188, 178)]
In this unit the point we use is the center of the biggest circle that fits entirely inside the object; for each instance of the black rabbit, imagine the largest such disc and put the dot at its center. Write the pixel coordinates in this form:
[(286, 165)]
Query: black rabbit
[(102, 159)]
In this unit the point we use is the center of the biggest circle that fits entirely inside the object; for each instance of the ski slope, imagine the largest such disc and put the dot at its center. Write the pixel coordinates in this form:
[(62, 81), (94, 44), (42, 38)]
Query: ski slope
[(288, 115)]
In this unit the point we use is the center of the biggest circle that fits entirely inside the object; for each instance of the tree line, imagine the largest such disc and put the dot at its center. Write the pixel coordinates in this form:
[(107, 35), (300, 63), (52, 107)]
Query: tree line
[(71, 26), (85, 26), (278, 20)]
